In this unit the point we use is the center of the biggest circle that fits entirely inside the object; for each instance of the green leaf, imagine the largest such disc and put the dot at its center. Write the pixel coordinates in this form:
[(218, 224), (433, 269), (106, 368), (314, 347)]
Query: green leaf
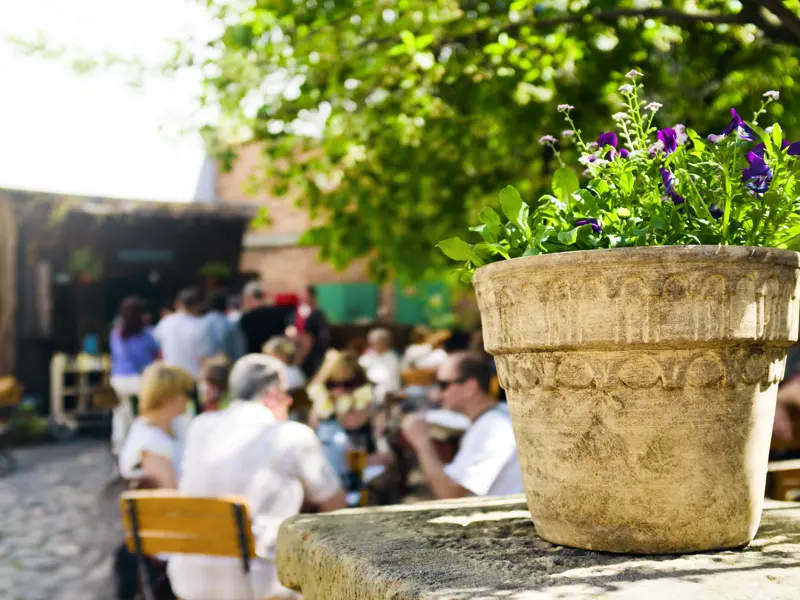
[(485, 232), (565, 183), (424, 41), (625, 182), (489, 217), (493, 249), (457, 249), (408, 39), (570, 237), (531, 252), (777, 135), (515, 209)]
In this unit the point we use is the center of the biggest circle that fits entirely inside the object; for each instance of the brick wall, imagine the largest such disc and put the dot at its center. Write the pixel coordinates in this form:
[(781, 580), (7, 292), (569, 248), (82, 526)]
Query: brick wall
[(282, 265)]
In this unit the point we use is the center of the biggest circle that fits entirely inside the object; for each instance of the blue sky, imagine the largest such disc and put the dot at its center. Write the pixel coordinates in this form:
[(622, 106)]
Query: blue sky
[(93, 135)]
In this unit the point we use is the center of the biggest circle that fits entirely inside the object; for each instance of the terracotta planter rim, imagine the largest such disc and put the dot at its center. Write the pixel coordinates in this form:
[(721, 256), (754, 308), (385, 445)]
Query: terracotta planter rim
[(652, 254)]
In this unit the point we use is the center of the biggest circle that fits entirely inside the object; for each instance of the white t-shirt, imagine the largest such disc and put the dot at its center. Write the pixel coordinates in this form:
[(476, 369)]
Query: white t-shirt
[(144, 437), (487, 463), (183, 341), (243, 451), (383, 370)]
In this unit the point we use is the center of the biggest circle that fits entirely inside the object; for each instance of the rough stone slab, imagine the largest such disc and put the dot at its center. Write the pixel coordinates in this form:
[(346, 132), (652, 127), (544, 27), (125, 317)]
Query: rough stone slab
[(481, 549)]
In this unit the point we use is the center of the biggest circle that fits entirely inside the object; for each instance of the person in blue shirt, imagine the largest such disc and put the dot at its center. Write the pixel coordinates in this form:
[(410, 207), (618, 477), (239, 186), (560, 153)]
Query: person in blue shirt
[(133, 348), (224, 335)]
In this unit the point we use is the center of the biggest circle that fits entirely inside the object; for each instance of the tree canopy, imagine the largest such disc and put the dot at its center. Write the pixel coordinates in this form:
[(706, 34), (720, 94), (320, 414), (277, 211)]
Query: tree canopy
[(433, 106)]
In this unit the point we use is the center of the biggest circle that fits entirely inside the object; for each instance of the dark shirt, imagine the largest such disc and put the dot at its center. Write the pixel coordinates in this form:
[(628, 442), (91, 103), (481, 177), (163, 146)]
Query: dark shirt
[(316, 326), (261, 324)]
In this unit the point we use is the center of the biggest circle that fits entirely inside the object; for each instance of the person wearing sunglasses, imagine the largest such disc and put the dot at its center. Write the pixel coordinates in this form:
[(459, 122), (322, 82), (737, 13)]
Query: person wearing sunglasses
[(486, 463), (344, 411)]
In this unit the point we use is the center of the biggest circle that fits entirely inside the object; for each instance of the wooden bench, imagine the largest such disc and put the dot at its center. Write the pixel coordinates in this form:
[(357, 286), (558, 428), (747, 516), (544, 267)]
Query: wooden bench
[(164, 522)]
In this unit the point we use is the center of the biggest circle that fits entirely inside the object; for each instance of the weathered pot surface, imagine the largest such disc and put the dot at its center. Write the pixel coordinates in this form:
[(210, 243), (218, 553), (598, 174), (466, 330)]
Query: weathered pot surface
[(642, 386)]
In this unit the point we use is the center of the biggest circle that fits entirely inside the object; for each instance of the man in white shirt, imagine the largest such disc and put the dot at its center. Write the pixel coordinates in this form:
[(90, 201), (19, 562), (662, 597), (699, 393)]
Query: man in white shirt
[(182, 335), (486, 463), (252, 450)]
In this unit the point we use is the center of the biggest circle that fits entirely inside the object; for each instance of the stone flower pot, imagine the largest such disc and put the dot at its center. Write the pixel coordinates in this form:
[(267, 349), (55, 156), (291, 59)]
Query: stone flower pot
[(642, 386)]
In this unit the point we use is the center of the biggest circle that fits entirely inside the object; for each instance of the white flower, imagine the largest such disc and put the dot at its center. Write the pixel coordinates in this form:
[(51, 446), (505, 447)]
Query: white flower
[(620, 116), (586, 159), (567, 133), (547, 139), (772, 95), (625, 88), (654, 106), (633, 74), (564, 107), (592, 147)]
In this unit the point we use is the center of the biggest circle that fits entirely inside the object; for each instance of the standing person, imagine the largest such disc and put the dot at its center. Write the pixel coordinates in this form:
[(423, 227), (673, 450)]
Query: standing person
[(314, 333), (182, 337), (224, 335), (486, 463), (259, 321), (133, 348), (381, 363), (253, 451)]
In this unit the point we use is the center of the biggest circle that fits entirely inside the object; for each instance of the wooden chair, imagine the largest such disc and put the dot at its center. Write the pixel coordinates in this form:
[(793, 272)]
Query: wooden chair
[(418, 377), (164, 522), (783, 479)]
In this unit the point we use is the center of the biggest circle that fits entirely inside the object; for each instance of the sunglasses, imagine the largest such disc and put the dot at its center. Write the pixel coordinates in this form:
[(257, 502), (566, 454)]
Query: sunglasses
[(443, 385), (348, 385)]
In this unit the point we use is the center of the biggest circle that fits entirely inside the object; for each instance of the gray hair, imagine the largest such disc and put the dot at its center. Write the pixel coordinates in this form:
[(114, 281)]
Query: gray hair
[(253, 375)]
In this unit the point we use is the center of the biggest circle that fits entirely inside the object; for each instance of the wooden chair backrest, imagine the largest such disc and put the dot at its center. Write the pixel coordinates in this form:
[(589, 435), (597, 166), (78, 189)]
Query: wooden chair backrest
[(170, 523), (418, 377)]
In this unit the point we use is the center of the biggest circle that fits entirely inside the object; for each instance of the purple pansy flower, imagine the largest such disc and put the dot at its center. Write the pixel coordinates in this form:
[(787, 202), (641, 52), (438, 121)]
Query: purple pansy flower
[(794, 149), (669, 138), (743, 130), (758, 175), (669, 185), (596, 227), (623, 153), (715, 211), (607, 138)]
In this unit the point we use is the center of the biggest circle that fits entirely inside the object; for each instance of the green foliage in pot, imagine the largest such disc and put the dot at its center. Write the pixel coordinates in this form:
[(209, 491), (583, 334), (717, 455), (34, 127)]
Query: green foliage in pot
[(84, 262), (651, 187)]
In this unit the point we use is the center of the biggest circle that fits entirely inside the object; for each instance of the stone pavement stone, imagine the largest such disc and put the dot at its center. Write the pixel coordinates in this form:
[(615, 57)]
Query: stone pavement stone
[(482, 548), (58, 525)]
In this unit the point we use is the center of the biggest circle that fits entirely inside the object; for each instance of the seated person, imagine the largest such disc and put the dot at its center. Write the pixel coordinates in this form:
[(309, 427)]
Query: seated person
[(343, 403), (251, 450), (152, 451), (285, 350), (381, 364), (213, 384), (486, 463)]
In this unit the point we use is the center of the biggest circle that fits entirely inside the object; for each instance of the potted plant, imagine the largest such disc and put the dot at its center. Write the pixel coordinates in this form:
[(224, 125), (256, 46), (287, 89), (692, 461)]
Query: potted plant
[(85, 265), (640, 324)]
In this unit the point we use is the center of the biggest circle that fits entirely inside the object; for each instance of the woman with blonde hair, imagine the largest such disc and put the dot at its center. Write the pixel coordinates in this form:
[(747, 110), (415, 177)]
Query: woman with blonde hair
[(343, 410), (152, 451), (285, 350)]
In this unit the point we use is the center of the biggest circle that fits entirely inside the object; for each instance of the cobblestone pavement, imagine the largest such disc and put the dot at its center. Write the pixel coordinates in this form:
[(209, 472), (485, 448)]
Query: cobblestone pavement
[(58, 525)]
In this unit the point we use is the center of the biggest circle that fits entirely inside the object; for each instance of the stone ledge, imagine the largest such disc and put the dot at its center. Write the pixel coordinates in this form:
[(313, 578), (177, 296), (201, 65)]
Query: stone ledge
[(482, 549)]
